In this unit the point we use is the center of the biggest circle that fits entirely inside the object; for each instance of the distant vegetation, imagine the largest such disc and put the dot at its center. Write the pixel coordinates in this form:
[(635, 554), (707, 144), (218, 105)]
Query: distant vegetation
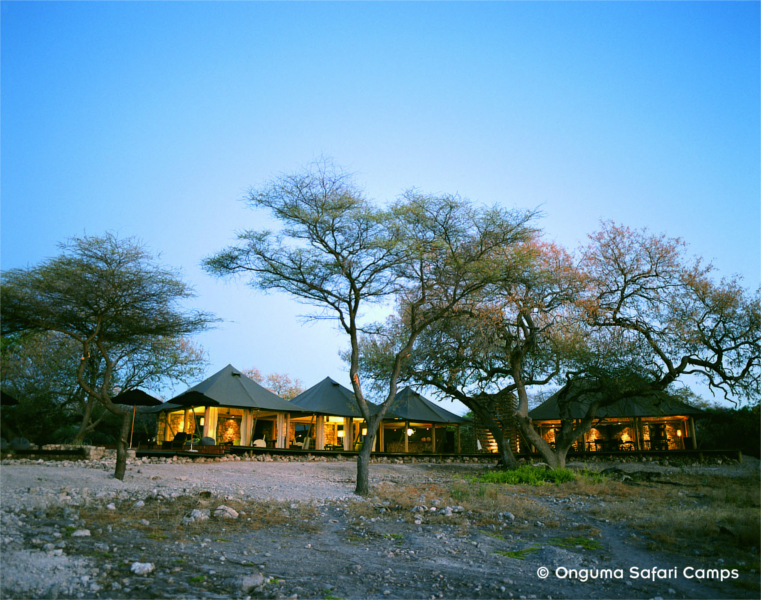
[(731, 428)]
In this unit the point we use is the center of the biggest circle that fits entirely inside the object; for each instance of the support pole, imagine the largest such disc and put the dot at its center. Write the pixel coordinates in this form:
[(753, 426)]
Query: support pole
[(131, 431), (320, 434), (693, 435)]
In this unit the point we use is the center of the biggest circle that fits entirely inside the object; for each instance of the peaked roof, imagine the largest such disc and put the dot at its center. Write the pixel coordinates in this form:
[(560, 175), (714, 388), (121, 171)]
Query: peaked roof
[(411, 406), (654, 405), (229, 387), (136, 397), (330, 398)]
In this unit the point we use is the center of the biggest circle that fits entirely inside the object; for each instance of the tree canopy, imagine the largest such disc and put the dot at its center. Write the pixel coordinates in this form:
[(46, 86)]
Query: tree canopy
[(338, 252), (632, 315), (121, 308)]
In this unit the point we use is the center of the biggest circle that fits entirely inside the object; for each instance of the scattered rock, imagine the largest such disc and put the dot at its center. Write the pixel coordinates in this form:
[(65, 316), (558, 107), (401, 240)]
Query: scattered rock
[(197, 514), (81, 533), (139, 568), (225, 512)]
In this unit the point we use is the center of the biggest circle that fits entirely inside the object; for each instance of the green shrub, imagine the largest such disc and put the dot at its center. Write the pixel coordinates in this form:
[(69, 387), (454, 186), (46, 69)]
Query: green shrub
[(527, 475)]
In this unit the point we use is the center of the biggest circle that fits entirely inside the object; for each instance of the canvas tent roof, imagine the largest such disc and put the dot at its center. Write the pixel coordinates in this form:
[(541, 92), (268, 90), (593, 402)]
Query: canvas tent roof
[(231, 388), (655, 405), (411, 406), (330, 398)]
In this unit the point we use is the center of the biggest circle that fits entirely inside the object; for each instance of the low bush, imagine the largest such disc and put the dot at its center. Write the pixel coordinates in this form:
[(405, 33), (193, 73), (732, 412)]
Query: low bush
[(527, 475)]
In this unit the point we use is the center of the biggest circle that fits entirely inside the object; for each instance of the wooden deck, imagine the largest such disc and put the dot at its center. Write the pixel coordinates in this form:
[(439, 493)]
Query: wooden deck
[(698, 455)]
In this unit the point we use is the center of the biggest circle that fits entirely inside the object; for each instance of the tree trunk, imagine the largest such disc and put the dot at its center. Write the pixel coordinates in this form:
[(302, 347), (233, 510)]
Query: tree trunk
[(506, 455), (560, 453), (85, 426), (554, 459), (363, 462), (121, 447)]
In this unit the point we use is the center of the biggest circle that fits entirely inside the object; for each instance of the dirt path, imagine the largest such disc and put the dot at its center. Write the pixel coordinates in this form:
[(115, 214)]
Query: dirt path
[(300, 532)]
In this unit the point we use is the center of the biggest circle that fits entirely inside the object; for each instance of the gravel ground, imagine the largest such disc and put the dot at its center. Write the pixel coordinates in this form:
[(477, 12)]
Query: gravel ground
[(55, 547)]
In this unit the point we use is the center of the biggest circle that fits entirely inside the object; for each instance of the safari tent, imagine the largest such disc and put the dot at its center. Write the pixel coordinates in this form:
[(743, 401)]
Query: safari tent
[(652, 422), (415, 424), (333, 422), (410, 424), (228, 408)]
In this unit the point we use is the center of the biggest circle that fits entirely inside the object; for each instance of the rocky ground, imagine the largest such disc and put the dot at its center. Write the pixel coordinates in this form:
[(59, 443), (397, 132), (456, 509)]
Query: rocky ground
[(239, 529)]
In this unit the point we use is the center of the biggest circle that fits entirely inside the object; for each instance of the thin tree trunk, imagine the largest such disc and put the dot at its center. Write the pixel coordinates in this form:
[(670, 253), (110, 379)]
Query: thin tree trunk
[(121, 447), (363, 463), (85, 426)]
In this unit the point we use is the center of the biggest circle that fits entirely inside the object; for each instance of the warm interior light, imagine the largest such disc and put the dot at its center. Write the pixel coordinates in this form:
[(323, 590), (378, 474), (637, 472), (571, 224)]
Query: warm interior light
[(679, 433), (340, 433), (364, 431), (202, 421), (410, 431)]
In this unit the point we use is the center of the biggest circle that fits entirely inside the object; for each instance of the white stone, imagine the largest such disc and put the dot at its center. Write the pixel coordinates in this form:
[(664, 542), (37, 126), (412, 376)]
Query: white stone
[(225, 512), (139, 568), (81, 533)]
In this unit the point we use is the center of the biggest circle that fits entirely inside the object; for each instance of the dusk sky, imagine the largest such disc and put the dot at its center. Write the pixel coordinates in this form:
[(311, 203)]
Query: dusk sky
[(154, 119)]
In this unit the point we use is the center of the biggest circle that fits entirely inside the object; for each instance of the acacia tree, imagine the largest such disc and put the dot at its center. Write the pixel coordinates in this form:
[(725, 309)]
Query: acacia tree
[(630, 319), (645, 316), (469, 355), (110, 297), (339, 253), (646, 287), (653, 315)]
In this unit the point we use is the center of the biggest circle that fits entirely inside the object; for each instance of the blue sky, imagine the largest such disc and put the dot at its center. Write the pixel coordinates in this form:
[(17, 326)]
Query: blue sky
[(154, 119)]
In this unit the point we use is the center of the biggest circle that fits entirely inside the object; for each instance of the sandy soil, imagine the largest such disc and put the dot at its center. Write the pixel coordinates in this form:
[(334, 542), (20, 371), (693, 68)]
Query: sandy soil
[(72, 531)]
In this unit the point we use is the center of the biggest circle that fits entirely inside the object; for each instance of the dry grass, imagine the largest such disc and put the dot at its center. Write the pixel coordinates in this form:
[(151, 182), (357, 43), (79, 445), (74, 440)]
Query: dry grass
[(682, 512), (164, 518), (481, 502), (687, 511)]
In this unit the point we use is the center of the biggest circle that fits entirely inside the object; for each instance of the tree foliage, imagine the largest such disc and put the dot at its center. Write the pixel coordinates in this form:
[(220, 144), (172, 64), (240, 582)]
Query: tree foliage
[(40, 370), (119, 306), (338, 253), (647, 289), (519, 318), (630, 317)]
